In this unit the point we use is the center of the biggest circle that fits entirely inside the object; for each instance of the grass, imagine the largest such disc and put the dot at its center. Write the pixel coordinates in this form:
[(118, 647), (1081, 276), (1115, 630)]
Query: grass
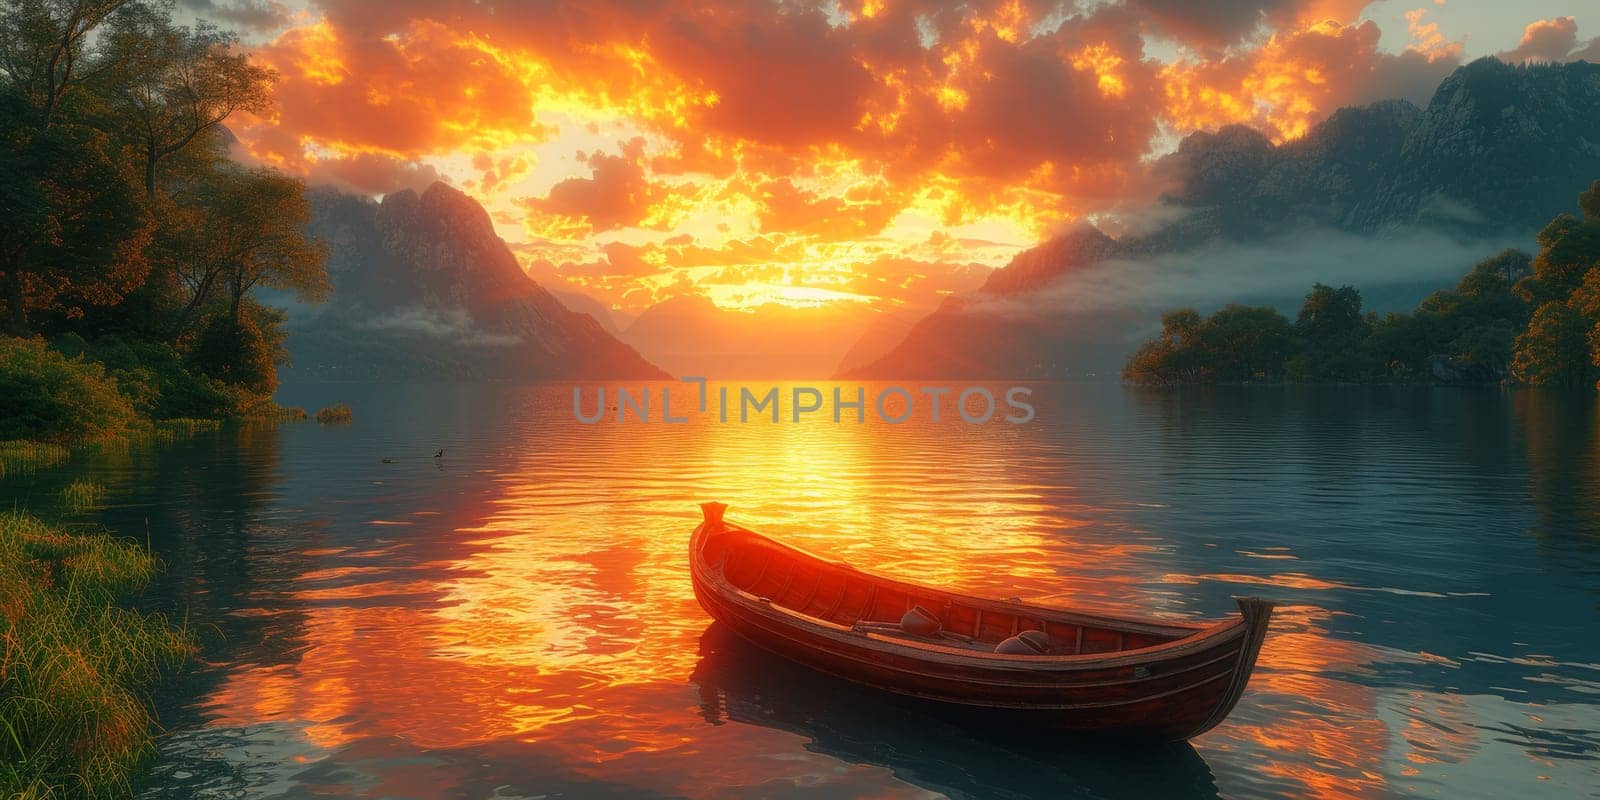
[(82, 495), (284, 414), (336, 414), (22, 457), (73, 664), (172, 430)]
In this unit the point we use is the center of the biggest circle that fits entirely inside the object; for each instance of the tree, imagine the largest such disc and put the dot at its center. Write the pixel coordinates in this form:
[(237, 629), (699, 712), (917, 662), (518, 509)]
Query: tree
[(1589, 202), (72, 234), (45, 50), (1568, 248), (236, 351), (1330, 329), (1237, 343), (278, 253), (1330, 314), (1247, 342), (1554, 351), (243, 229), (1499, 271), (174, 84), (1171, 357)]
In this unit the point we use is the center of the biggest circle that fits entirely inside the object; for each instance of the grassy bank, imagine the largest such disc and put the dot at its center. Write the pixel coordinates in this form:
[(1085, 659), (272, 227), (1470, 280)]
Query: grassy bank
[(74, 666)]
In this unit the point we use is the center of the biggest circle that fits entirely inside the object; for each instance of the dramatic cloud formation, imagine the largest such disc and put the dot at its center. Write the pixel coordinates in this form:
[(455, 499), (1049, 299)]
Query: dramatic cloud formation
[(617, 194), (1553, 40), (805, 151)]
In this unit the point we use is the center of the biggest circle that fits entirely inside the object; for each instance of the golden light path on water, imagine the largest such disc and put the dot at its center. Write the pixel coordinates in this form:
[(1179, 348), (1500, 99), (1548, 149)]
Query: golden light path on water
[(544, 602)]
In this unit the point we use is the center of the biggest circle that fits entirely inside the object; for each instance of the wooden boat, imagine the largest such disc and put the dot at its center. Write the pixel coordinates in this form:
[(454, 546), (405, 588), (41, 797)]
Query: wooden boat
[(1097, 675)]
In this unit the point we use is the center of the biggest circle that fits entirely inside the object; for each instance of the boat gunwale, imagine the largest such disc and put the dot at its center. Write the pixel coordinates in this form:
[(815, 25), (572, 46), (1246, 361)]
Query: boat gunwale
[(1014, 678), (1195, 636)]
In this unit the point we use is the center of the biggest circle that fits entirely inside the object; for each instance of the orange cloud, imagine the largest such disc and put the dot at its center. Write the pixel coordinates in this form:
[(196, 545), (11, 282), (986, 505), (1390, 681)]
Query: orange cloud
[(1297, 77), (617, 194), (1552, 40), (796, 142)]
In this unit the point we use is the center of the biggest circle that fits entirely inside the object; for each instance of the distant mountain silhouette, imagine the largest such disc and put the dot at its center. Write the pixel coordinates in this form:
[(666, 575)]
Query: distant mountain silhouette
[(584, 304), (691, 335), (1499, 149), (883, 335), (424, 288)]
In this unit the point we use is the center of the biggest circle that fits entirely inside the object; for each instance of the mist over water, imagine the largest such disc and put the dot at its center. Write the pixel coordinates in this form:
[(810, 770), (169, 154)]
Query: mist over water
[(1395, 269), (516, 620)]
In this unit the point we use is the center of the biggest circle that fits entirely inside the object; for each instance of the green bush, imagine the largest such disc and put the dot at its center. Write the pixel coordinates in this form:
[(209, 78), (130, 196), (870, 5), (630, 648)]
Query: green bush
[(155, 379), (238, 353), (48, 396)]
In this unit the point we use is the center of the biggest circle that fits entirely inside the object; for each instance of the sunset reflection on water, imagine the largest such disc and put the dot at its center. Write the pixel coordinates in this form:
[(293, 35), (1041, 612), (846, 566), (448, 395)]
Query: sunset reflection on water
[(520, 615)]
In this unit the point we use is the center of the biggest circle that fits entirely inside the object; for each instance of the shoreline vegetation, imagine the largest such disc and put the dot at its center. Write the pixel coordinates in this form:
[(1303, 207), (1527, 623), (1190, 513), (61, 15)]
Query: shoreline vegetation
[(131, 310), (1514, 319), (75, 720)]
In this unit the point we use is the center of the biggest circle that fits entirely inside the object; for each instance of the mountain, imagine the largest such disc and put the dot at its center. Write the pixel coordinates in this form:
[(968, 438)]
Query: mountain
[(691, 335), (584, 304), (886, 331), (1498, 151), (424, 288)]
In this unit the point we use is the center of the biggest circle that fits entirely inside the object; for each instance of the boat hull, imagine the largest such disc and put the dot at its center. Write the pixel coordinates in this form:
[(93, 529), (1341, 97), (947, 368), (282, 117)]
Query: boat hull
[(1169, 692)]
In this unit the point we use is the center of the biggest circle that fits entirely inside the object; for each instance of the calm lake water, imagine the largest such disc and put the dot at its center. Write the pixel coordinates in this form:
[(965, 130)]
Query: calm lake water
[(515, 620)]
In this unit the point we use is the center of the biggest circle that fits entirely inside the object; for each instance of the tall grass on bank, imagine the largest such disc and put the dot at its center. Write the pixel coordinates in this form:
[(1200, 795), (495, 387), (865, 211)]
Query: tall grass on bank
[(82, 495), (173, 430), (277, 413), (73, 664), (21, 457)]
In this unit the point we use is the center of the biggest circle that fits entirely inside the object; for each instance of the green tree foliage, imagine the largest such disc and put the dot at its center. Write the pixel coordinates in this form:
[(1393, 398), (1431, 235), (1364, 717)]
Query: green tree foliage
[(235, 350), (1237, 343), (1561, 345), (1554, 351), (172, 85), (153, 376), (72, 234), (47, 50), (1589, 202), (126, 234), (1485, 330), (1329, 333), (239, 229), (47, 396)]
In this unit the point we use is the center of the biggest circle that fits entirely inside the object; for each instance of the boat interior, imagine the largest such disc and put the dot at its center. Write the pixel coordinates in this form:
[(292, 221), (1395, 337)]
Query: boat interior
[(839, 594)]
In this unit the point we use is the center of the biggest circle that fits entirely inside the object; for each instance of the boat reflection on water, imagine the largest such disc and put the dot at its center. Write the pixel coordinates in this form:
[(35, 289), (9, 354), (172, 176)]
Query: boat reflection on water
[(924, 744)]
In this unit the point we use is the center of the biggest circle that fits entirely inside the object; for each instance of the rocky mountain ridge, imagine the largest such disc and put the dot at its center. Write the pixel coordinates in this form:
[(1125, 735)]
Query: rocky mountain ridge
[(1499, 149), (424, 288)]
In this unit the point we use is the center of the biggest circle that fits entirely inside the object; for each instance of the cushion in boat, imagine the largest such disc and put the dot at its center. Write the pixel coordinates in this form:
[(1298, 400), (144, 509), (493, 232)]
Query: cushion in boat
[(1027, 643), (920, 621)]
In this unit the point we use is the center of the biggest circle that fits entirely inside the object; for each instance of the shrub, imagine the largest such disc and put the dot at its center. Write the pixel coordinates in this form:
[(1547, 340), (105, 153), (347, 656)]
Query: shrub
[(236, 352), (48, 396), (155, 379), (336, 414)]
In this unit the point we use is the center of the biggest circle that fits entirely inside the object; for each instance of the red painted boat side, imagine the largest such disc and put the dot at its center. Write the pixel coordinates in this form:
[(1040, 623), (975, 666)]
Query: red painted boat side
[(1175, 689)]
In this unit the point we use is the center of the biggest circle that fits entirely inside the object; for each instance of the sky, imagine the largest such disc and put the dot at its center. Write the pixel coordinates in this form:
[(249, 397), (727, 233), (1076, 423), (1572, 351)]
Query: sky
[(887, 152)]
